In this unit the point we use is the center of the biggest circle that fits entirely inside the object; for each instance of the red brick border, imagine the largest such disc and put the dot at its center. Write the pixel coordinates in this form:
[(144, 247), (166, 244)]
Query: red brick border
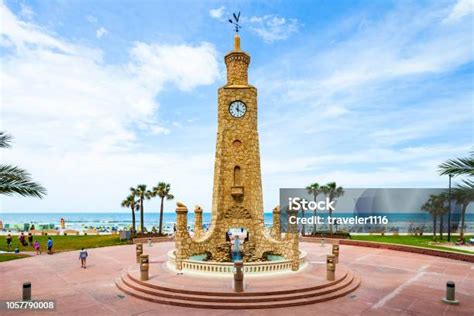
[(419, 250)]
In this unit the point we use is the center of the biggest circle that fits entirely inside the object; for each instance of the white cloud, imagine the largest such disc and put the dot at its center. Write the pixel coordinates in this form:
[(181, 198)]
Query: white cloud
[(26, 11), (186, 66), (74, 117), (461, 9), (92, 19), (101, 32), (217, 13), (273, 27)]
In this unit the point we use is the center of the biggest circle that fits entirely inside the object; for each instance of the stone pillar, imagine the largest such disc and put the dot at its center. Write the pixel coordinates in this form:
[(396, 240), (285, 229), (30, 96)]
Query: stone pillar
[(331, 268), (198, 230), (181, 234), (138, 251), (144, 268), (238, 276), (276, 228), (293, 240), (335, 252)]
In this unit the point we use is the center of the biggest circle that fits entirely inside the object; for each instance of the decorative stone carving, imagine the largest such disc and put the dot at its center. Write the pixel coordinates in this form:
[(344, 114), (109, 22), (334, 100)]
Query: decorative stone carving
[(237, 212)]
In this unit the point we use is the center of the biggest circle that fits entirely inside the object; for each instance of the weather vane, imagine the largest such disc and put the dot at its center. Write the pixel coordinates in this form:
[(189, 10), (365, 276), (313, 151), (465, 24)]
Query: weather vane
[(235, 22)]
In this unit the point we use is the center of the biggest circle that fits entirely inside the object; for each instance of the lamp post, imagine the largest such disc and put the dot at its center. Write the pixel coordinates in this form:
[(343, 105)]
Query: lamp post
[(449, 208)]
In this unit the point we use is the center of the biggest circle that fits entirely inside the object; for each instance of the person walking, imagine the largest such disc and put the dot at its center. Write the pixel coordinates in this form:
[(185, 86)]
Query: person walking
[(37, 247), (9, 241), (83, 257), (50, 246)]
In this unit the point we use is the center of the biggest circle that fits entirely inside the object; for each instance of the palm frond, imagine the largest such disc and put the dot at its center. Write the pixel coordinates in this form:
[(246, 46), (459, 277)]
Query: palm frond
[(458, 166), (5, 140), (14, 180)]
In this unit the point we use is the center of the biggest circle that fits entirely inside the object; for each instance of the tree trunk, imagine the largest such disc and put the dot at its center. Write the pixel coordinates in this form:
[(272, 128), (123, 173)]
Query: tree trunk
[(142, 220), (330, 215), (463, 215), (133, 219), (302, 228), (315, 222), (441, 227), (161, 215), (435, 217)]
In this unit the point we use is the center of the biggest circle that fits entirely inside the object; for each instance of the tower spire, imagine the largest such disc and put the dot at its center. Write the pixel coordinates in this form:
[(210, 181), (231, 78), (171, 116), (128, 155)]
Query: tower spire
[(237, 62), (236, 42)]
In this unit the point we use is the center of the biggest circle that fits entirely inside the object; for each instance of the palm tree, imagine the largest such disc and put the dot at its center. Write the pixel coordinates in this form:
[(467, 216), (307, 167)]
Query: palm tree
[(332, 191), (14, 180), (440, 202), (430, 207), (142, 194), (133, 205), (458, 166), (314, 189), (464, 195), (163, 191)]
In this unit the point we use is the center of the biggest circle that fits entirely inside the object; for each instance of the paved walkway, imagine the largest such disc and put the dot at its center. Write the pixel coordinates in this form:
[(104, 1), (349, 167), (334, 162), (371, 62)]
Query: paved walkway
[(393, 283)]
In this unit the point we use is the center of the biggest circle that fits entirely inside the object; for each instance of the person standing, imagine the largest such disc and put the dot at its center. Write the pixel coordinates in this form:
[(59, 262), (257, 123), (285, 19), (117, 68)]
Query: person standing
[(22, 239), (83, 257), (50, 246), (9, 241), (30, 239)]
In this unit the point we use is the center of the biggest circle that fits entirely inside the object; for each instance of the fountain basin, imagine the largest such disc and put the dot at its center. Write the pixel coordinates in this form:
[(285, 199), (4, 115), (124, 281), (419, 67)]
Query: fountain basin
[(196, 264)]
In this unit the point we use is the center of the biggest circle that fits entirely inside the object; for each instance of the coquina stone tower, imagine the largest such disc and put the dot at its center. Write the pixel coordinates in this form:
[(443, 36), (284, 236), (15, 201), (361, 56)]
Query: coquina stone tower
[(237, 200)]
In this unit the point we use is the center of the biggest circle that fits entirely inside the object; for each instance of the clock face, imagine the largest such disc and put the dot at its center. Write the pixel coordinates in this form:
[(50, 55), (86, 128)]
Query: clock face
[(237, 109)]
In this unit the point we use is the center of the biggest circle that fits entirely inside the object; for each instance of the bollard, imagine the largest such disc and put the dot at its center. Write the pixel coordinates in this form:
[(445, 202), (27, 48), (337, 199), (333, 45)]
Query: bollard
[(149, 242), (144, 267), (450, 294), (27, 291), (139, 251), (335, 252), (238, 276), (323, 242), (331, 268)]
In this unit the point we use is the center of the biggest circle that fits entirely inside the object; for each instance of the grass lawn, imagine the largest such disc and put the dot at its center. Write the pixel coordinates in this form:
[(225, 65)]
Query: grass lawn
[(66, 243), (11, 256), (417, 241)]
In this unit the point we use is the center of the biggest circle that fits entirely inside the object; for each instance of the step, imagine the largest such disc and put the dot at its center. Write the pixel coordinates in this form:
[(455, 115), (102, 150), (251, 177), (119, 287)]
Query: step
[(215, 293), (205, 296), (240, 305)]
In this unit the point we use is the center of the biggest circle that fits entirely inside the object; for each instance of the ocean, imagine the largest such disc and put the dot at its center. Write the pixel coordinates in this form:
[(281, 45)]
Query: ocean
[(120, 220)]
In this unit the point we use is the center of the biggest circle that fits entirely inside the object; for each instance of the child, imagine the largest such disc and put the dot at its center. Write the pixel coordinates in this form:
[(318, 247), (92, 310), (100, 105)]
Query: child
[(37, 247), (83, 257), (50, 246), (9, 241)]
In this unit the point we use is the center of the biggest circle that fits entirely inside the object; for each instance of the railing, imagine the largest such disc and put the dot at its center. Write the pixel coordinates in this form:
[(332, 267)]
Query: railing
[(227, 267)]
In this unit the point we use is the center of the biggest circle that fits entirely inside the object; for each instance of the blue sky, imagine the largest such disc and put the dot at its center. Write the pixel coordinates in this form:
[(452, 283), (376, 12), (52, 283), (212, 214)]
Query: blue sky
[(104, 95)]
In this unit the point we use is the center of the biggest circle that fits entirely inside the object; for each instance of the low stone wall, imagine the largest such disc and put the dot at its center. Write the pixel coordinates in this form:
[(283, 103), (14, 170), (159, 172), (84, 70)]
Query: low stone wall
[(144, 240), (423, 251), (228, 267)]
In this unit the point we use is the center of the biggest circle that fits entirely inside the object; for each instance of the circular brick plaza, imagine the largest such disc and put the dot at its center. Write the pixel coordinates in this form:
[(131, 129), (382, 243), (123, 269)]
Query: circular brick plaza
[(392, 283)]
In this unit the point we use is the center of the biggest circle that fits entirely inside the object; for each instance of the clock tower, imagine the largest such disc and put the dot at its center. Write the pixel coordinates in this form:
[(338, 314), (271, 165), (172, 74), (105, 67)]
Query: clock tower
[(237, 176), (237, 201)]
